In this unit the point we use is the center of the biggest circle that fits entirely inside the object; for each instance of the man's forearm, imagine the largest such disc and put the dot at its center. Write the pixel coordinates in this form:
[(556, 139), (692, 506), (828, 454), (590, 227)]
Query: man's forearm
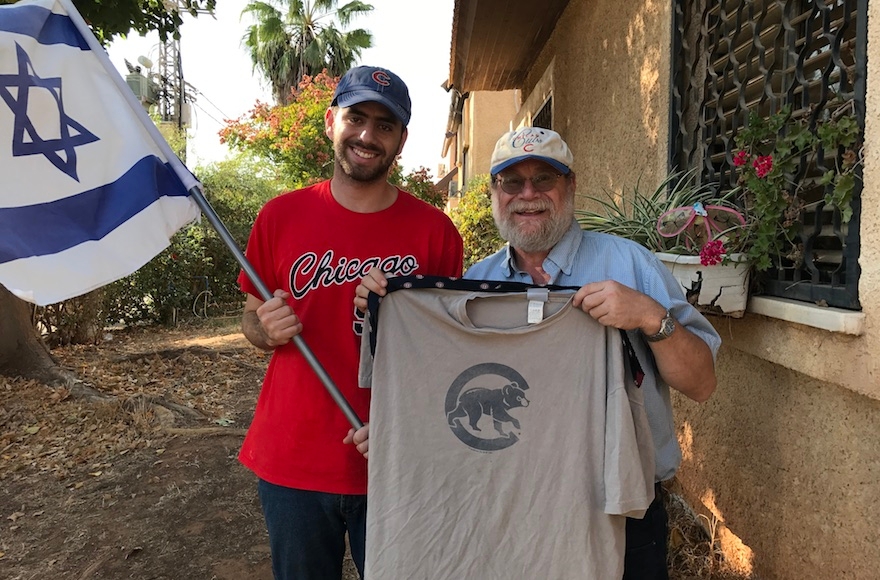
[(253, 330), (685, 363)]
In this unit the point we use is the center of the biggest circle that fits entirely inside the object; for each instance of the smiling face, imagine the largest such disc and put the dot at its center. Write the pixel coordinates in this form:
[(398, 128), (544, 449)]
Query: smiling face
[(367, 138), (533, 221)]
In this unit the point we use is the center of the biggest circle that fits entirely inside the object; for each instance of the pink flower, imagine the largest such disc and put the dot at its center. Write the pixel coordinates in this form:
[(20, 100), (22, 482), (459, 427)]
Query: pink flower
[(741, 158), (763, 165), (712, 253)]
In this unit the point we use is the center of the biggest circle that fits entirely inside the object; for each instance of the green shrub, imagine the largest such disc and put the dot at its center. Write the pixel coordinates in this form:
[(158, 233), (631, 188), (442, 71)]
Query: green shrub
[(473, 218), (164, 289)]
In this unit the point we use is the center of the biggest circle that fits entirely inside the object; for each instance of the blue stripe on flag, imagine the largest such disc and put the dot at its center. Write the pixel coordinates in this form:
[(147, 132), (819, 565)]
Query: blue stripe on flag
[(48, 228), (43, 25)]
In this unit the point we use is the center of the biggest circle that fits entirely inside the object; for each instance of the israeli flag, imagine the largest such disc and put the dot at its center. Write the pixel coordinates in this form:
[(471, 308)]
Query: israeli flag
[(89, 189)]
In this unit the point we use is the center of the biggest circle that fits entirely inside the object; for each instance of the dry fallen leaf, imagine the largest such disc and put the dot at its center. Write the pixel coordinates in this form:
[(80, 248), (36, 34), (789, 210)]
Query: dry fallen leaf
[(15, 516)]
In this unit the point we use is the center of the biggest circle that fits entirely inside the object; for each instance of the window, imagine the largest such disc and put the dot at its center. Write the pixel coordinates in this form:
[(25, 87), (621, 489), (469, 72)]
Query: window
[(736, 56), (544, 117)]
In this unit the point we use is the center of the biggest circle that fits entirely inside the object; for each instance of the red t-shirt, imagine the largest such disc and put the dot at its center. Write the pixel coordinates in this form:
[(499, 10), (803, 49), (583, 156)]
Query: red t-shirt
[(307, 244)]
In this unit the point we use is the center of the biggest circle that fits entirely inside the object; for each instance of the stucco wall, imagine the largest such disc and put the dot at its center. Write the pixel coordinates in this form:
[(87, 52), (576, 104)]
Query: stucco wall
[(790, 465), (611, 95), (495, 111), (786, 454)]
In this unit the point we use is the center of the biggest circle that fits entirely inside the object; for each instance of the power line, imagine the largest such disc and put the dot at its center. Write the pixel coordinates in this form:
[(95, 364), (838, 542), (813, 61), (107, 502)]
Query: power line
[(203, 95), (196, 105)]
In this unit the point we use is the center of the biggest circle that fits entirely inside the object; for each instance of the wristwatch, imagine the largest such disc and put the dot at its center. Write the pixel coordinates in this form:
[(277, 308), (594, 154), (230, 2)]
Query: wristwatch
[(667, 327)]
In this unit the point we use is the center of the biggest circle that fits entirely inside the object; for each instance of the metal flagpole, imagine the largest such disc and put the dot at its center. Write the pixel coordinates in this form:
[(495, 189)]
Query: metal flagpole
[(194, 188), (266, 294)]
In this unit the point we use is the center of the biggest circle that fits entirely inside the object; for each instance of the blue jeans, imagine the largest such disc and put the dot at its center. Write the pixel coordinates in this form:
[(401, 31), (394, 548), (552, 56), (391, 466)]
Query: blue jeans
[(645, 557), (307, 531)]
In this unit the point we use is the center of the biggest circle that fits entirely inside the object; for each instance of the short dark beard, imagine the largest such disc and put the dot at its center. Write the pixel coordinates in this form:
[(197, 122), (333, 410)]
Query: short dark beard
[(361, 174)]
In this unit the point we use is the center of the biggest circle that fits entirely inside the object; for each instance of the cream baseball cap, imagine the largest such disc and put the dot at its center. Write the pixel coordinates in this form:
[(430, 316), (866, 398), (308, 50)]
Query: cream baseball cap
[(531, 143)]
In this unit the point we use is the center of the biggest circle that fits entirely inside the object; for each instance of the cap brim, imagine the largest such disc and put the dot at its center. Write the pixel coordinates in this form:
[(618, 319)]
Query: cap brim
[(563, 168), (356, 97)]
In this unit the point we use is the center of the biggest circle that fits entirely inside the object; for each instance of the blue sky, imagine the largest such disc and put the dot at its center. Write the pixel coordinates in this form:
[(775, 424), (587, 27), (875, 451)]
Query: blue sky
[(410, 38)]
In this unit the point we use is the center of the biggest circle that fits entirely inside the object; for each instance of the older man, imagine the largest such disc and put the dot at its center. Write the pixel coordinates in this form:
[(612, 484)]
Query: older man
[(621, 285)]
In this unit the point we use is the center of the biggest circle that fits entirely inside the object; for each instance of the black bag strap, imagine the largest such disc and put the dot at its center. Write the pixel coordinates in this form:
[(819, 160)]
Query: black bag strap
[(422, 282)]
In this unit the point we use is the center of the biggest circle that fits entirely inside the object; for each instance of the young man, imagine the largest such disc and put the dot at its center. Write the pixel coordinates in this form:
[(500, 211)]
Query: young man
[(313, 246), (621, 285)]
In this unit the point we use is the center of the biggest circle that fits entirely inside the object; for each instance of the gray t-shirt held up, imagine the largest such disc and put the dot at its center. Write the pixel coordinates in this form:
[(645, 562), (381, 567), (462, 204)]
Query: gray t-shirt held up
[(500, 448)]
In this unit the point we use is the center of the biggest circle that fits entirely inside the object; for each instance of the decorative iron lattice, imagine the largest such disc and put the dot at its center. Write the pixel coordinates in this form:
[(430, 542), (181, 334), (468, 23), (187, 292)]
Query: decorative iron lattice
[(544, 117), (733, 57)]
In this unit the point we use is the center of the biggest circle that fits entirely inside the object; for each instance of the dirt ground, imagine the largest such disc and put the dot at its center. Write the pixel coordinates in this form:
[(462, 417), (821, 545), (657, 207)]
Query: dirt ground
[(146, 485)]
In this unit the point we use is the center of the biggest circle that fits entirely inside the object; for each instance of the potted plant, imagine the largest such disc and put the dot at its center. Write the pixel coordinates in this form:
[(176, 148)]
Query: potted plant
[(699, 234), (712, 239)]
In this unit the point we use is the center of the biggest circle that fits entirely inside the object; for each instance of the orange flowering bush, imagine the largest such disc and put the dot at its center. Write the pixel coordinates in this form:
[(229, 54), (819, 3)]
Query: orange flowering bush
[(291, 136)]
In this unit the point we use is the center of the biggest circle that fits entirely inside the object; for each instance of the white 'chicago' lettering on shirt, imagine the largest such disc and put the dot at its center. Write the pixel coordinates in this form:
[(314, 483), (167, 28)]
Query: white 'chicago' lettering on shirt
[(308, 272)]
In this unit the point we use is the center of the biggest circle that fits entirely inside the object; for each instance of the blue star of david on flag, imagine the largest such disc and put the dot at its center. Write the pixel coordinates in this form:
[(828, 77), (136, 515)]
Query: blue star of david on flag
[(89, 189), (26, 138)]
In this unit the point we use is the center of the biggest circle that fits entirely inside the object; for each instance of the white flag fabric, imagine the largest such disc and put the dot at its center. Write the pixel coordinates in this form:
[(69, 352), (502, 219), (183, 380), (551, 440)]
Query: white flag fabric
[(89, 189)]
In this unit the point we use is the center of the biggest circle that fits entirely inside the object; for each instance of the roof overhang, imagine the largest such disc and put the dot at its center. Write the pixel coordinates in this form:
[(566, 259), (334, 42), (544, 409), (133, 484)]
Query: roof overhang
[(495, 42)]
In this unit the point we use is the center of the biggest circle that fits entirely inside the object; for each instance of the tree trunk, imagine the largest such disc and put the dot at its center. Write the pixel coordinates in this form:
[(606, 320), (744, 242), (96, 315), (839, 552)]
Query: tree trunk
[(21, 350)]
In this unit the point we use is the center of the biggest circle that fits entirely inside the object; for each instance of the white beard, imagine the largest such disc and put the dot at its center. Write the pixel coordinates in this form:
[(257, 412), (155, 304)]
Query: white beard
[(541, 237)]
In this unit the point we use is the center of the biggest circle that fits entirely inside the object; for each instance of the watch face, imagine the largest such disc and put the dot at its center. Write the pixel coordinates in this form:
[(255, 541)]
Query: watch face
[(667, 327)]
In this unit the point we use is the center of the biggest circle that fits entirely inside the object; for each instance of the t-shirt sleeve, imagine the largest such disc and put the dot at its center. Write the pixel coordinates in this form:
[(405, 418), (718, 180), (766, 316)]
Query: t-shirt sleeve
[(629, 450), (365, 366), (259, 254)]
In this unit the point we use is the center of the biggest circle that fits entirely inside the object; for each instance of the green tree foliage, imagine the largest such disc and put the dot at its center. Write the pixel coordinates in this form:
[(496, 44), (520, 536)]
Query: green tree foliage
[(164, 289), (111, 18), (295, 39), (290, 136), (473, 218), (418, 183)]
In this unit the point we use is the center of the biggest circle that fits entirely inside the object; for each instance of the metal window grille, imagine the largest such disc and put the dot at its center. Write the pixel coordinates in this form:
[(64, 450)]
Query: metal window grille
[(736, 56), (544, 117)]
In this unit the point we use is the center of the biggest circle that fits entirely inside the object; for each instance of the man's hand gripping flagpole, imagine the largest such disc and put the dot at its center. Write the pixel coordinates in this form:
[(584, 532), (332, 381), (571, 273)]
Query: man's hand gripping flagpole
[(265, 294), (194, 189)]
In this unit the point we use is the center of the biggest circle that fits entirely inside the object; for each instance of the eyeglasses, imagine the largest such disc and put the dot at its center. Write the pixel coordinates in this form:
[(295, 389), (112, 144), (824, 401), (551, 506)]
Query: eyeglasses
[(514, 184)]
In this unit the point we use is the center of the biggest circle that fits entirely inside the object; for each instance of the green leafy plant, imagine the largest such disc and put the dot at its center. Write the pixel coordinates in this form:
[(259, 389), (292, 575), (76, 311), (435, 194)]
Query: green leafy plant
[(419, 183), (636, 215), (164, 288), (473, 218), (772, 152)]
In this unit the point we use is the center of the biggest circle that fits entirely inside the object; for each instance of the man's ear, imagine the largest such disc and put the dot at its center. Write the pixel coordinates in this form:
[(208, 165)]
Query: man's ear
[(329, 119), (403, 140)]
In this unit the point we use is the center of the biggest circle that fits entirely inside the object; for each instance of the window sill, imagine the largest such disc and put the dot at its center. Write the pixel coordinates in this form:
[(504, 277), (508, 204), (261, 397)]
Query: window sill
[(831, 319), (831, 345)]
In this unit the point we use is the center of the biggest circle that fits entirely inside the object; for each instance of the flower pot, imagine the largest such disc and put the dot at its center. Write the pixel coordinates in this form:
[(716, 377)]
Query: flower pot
[(720, 289)]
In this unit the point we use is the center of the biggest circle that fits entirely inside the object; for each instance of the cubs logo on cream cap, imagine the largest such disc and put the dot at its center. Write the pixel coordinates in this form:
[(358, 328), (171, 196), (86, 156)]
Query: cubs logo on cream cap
[(531, 143)]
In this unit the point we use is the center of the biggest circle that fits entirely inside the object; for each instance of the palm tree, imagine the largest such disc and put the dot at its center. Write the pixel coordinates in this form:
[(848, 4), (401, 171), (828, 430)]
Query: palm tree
[(294, 38)]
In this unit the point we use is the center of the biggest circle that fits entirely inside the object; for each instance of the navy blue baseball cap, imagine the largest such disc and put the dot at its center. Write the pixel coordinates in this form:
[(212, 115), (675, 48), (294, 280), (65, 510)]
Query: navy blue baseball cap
[(369, 83)]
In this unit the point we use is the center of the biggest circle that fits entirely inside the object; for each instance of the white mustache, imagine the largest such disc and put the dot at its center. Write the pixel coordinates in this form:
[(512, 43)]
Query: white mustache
[(526, 206)]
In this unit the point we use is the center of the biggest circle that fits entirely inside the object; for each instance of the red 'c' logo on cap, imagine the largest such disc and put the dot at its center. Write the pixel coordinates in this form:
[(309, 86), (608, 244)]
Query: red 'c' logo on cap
[(381, 77), (528, 147)]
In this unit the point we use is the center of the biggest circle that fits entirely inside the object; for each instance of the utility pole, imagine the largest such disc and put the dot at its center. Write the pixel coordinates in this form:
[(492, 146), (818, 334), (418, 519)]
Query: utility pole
[(175, 93), (172, 96)]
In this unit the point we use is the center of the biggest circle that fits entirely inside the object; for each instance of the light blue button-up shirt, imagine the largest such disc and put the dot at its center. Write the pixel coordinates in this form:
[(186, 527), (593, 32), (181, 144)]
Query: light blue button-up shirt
[(582, 257)]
